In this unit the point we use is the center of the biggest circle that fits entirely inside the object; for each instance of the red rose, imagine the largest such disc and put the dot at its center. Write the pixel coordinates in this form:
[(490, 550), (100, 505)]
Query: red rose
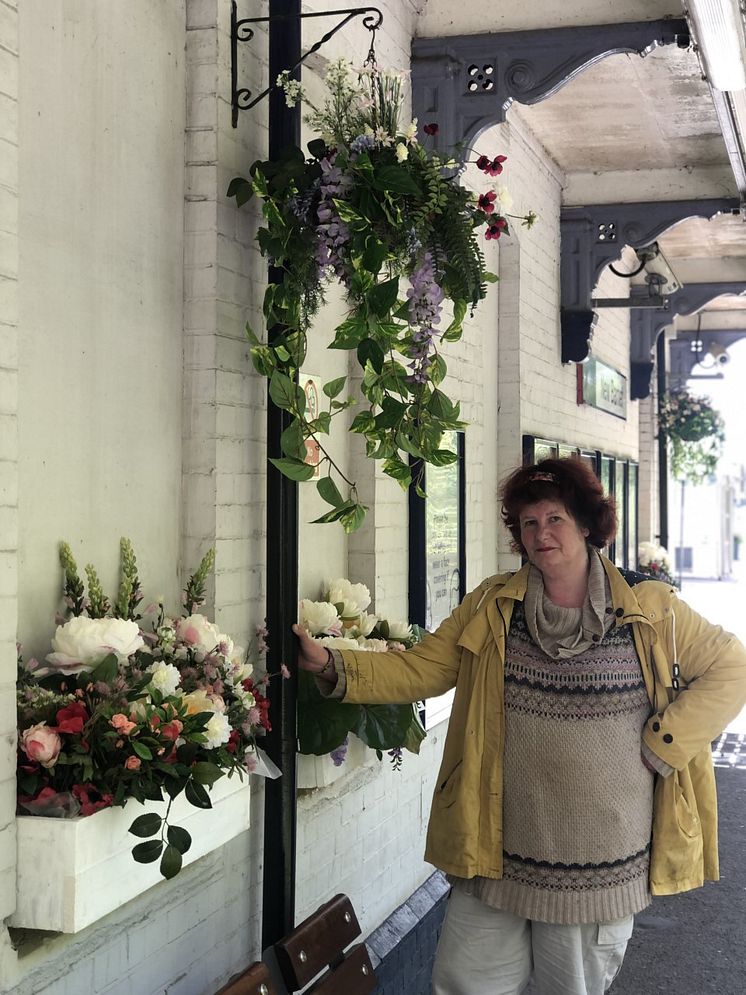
[(72, 718)]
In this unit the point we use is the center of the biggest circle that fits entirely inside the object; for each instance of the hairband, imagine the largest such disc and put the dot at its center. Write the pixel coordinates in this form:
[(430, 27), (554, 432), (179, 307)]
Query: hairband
[(542, 476)]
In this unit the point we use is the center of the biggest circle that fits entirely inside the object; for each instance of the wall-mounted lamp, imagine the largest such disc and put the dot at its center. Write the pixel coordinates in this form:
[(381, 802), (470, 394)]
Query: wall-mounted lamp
[(721, 39)]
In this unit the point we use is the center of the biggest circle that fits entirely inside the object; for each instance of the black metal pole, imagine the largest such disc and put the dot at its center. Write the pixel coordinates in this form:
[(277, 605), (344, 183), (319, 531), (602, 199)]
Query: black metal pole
[(278, 915), (660, 373)]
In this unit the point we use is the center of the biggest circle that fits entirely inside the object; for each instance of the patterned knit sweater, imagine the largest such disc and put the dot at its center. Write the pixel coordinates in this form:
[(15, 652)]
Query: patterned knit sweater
[(577, 798)]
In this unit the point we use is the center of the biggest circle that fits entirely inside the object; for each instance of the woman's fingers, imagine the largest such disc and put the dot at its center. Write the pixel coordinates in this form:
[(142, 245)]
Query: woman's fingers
[(312, 654)]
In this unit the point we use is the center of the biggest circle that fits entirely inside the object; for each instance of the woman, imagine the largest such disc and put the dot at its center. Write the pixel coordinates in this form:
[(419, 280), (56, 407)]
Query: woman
[(577, 778)]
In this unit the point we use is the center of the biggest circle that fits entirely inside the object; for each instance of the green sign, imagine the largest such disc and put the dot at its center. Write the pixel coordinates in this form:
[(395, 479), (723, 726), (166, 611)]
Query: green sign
[(602, 387)]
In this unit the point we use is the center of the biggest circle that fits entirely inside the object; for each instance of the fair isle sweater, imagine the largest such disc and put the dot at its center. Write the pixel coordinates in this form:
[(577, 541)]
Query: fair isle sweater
[(577, 799)]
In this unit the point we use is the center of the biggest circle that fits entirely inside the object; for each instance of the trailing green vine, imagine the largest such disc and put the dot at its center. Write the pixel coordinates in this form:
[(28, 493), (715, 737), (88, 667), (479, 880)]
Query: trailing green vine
[(373, 209)]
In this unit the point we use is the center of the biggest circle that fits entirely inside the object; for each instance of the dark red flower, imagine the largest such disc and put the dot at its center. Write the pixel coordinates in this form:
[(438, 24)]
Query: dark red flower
[(431, 129), (486, 202), (484, 163), (496, 166), (233, 741), (72, 718), (496, 229)]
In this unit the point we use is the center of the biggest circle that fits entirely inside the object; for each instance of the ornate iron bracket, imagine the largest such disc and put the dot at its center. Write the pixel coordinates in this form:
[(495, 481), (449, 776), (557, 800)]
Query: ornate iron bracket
[(591, 237), (683, 358), (241, 97), (646, 326), (467, 82)]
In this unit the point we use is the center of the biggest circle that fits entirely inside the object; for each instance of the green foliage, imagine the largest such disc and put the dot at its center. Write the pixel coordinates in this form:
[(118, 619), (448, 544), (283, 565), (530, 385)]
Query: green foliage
[(696, 433), (393, 205)]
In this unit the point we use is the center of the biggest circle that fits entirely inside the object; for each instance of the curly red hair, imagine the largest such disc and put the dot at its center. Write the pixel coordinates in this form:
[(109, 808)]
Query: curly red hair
[(570, 481)]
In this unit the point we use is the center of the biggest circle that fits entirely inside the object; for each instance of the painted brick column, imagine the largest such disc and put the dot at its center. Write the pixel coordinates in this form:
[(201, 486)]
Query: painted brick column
[(8, 443)]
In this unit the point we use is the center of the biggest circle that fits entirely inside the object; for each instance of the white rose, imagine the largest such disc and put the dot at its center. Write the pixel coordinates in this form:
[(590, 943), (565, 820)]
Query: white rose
[(353, 596), (402, 152), (400, 631), (411, 132), (82, 643), (217, 730), (319, 616), (199, 633), (166, 678)]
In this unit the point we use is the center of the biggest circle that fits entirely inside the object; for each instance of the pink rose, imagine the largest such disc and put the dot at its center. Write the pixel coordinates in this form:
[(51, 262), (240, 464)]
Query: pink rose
[(172, 730), (132, 763), (42, 744), (122, 724)]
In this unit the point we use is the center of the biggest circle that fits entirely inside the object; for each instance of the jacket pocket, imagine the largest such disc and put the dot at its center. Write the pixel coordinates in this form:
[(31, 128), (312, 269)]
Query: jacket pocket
[(686, 815), (445, 794)]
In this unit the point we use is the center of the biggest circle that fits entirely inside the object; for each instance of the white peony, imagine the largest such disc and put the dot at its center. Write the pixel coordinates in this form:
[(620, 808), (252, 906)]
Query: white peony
[(354, 597), (217, 730), (166, 678), (82, 643), (340, 643), (400, 631), (402, 152), (319, 617), (199, 633), (364, 625), (373, 645)]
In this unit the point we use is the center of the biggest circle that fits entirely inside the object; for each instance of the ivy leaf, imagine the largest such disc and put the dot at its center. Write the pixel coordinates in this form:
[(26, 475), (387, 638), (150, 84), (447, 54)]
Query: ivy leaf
[(329, 492), (321, 423), (292, 442), (383, 727), (353, 519), (396, 179), (293, 469), (323, 723), (147, 853), (438, 370), (370, 351), (440, 406), (335, 514), (286, 394), (146, 825), (251, 335), (374, 254), (170, 862), (349, 334), (334, 387), (383, 297), (442, 457), (399, 471), (363, 422), (490, 277), (241, 189)]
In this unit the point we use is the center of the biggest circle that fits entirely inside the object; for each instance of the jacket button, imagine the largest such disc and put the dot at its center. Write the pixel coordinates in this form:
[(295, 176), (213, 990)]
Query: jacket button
[(668, 738), (619, 612), (656, 727), (609, 611)]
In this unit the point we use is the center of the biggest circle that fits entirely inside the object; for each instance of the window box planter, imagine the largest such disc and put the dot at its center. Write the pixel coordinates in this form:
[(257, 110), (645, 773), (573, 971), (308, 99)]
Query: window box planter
[(72, 872)]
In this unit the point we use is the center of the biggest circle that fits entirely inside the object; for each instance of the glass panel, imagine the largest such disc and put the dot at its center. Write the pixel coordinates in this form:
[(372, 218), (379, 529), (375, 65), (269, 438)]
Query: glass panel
[(620, 544), (543, 449), (590, 459), (565, 451), (607, 473), (632, 541), (442, 537)]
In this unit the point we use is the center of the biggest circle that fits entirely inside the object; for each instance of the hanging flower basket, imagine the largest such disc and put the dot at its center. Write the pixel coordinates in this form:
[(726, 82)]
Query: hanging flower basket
[(372, 208), (696, 433)]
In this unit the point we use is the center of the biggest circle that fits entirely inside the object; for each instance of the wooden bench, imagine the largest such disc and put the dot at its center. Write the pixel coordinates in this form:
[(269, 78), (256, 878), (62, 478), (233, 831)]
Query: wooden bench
[(319, 943), (255, 980)]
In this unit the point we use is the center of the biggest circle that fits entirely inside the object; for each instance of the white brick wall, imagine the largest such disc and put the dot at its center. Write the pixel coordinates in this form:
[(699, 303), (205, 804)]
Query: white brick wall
[(8, 440)]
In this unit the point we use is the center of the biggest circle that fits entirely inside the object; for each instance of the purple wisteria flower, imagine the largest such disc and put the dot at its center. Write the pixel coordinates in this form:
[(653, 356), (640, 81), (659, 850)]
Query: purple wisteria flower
[(362, 143), (425, 300), (333, 234), (339, 755)]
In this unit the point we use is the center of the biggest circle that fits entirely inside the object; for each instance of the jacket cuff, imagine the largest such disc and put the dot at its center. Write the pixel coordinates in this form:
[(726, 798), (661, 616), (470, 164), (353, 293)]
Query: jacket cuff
[(340, 688), (654, 762)]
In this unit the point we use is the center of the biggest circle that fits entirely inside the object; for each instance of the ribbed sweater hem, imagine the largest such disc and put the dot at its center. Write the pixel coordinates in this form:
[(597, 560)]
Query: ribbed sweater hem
[(561, 908)]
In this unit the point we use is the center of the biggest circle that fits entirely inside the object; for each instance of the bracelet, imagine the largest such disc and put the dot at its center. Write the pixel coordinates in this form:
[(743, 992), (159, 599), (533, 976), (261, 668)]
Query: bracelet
[(329, 662)]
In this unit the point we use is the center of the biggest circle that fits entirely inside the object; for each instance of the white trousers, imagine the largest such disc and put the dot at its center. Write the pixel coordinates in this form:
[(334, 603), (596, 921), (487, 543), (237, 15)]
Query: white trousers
[(485, 951)]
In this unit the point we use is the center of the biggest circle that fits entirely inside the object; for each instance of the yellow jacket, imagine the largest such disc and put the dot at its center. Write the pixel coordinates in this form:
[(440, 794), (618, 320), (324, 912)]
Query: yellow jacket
[(467, 652)]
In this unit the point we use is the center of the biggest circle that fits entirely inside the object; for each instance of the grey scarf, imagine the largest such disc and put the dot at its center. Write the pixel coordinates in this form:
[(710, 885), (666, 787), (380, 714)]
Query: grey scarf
[(563, 632)]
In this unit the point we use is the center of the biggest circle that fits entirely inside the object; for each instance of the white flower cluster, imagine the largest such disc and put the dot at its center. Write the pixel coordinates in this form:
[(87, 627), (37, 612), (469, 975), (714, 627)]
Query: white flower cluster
[(341, 621), (649, 553)]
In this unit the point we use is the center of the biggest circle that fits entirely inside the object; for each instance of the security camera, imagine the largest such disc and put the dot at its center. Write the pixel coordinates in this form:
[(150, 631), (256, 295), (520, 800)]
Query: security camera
[(719, 353), (658, 273)]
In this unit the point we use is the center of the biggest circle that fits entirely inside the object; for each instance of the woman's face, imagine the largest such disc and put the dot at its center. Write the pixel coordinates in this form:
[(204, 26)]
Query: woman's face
[(552, 538)]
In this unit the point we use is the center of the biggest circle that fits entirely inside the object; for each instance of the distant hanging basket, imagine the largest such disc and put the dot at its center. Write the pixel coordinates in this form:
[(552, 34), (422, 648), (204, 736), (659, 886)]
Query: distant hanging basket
[(696, 432)]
